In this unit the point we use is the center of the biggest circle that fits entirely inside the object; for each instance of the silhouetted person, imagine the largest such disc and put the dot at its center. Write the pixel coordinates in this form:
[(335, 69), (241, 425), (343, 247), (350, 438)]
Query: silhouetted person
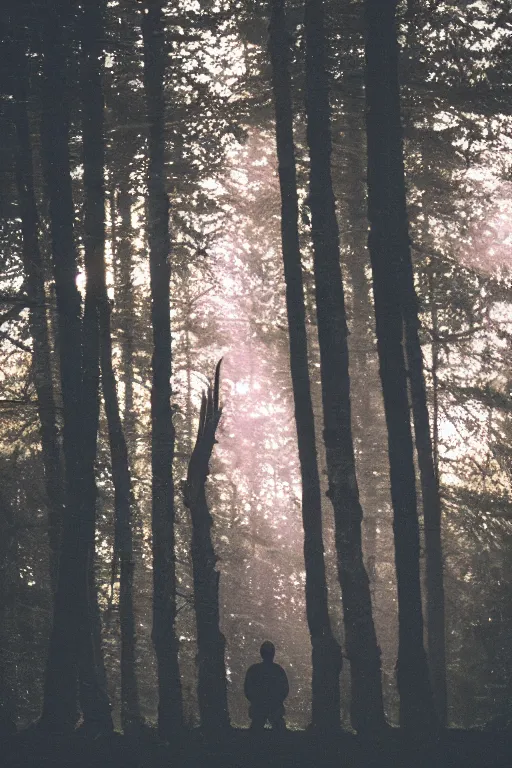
[(266, 687)]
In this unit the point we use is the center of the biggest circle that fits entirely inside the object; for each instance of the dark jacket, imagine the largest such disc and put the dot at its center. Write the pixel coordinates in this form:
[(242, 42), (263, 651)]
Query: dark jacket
[(266, 684)]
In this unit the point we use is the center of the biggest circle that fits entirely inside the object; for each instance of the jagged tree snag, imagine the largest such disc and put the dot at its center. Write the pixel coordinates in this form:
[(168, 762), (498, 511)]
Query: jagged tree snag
[(211, 684), (326, 653)]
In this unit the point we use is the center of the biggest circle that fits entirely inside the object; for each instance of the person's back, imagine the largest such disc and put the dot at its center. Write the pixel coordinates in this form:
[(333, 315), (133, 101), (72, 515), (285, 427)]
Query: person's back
[(266, 687)]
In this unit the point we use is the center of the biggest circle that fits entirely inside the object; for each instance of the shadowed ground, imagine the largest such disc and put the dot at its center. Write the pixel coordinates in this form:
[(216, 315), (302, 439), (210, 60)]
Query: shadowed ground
[(240, 749)]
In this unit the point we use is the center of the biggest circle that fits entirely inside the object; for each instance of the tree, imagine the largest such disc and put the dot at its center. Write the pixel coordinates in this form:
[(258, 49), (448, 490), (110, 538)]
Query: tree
[(388, 243), (98, 325), (211, 643), (34, 281), (367, 711), (326, 654), (72, 642), (430, 494), (95, 705), (170, 707)]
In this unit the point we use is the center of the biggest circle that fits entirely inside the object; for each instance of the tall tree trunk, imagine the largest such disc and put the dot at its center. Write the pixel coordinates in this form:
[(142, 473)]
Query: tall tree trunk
[(170, 704), (94, 159), (38, 321), (131, 717), (388, 243), (365, 415), (326, 653), (9, 566), (431, 276), (211, 643), (124, 258), (188, 436), (95, 705), (70, 609), (122, 441), (367, 711), (125, 442), (431, 516), (435, 603)]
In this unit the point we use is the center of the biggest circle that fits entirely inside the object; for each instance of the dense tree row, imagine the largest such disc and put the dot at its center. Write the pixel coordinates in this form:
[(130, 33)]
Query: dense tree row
[(360, 297)]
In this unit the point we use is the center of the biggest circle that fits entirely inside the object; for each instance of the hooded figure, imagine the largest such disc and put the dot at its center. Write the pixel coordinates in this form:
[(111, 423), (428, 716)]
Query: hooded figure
[(266, 687)]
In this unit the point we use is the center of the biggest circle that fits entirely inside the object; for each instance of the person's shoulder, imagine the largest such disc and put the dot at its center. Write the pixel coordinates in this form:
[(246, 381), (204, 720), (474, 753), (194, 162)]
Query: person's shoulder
[(253, 668), (279, 668)]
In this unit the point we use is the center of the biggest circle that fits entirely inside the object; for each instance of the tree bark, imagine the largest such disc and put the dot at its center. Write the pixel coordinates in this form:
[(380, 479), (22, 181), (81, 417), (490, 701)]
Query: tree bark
[(211, 643), (38, 321), (431, 276), (388, 243), (365, 413), (70, 609), (122, 446), (95, 705), (431, 515), (170, 706), (367, 711), (9, 566), (326, 653), (127, 318), (426, 451), (94, 160)]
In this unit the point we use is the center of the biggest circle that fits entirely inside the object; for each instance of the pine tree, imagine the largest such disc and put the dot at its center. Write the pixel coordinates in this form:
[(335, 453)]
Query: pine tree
[(326, 654), (388, 244), (170, 706), (367, 712), (99, 306), (71, 642), (38, 323)]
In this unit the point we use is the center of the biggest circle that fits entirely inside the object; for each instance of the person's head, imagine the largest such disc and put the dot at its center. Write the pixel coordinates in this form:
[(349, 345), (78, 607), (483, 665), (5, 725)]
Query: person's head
[(267, 651)]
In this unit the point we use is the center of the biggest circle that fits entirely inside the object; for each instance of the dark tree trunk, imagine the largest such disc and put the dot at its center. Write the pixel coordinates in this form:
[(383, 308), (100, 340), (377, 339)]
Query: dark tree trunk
[(367, 711), (70, 609), (131, 717), (388, 243), (365, 414), (38, 321), (9, 570), (170, 704), (211, 644), (124, 258), (431, 275), (432, 520), (188, 436), (126, 434), (93, 697), (326, 653), (122, 443), (94, 159), (435, 603)]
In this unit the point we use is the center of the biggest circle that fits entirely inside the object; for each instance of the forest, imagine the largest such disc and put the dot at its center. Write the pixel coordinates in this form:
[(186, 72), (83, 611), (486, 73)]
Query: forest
[(255, 381)]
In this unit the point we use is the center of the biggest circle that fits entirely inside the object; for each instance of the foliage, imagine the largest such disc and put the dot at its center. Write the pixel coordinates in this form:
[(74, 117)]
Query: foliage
[(228, 300)]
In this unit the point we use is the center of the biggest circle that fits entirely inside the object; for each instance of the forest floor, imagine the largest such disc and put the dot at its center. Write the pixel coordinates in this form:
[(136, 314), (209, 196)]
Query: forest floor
[(242, 749)]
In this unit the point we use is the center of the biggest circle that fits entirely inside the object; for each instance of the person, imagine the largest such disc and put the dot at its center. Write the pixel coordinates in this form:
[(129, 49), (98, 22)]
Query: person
[(266, 687)]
